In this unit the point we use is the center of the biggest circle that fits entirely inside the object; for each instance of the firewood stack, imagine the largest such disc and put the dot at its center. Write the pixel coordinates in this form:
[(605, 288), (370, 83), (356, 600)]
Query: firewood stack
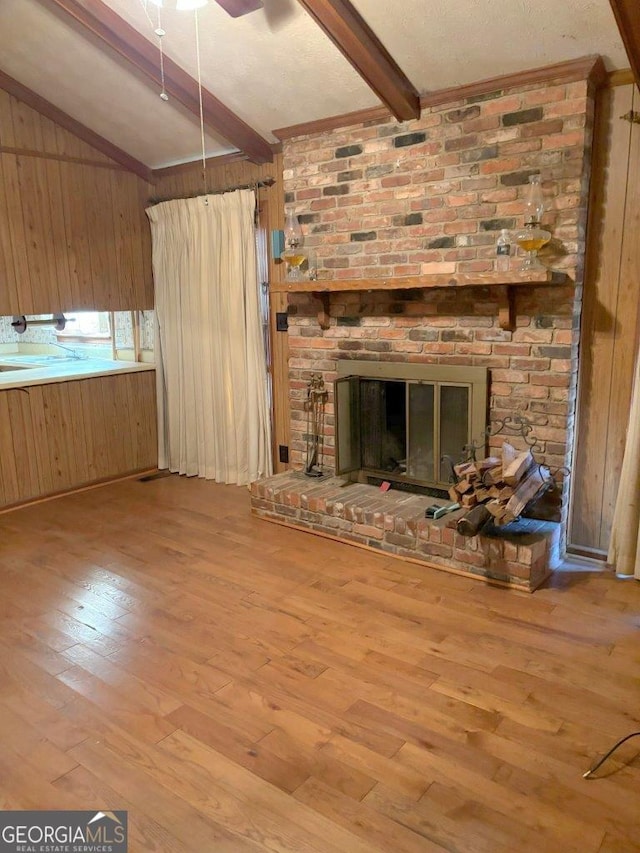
[(496, 488)]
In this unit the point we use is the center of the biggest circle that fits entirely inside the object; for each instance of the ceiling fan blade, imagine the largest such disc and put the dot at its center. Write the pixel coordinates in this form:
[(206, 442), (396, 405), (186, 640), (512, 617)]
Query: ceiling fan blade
[(237, 8)]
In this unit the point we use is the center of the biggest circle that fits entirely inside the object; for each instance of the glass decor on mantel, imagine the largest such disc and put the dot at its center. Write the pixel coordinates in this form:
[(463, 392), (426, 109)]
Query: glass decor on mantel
[(532, 237), (535, 202), (294, 259), (292, 231), (294, 255)]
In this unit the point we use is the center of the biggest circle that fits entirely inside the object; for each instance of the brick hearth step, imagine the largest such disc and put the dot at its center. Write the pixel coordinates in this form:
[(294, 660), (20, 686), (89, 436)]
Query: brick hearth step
[(521, 554)]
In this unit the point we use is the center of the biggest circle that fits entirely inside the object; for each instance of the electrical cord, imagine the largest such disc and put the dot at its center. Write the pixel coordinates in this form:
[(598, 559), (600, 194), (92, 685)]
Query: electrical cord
[(601, 761)]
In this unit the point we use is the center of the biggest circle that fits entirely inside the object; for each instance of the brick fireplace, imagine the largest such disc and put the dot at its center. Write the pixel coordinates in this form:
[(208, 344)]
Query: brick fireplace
[(424, 202)]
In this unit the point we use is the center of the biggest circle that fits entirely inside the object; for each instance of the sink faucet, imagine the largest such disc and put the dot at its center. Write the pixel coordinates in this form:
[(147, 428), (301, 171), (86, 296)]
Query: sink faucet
[(73, 352)]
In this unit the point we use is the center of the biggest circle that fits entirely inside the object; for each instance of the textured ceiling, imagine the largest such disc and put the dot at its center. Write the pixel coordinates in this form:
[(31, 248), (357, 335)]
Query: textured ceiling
[(42, 53), (271, 69), (439, 43), (275, 68)]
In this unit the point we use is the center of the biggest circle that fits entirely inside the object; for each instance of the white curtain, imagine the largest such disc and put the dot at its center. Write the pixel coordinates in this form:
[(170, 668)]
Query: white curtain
[(213, 410), (624, 548)]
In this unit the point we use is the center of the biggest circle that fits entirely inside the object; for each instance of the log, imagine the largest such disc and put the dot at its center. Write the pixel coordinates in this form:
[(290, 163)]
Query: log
[(487, 464), (528, 489), (509, 453), (496, 508), (473, 521), (465, 469), (517, 469), (469, 500), (505, 493), (493, 476)]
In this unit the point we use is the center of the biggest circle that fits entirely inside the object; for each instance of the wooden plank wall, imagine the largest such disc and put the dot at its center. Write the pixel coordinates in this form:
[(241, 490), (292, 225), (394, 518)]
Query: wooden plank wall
[(610, 323), (63, 436), (73, 232), (224, 173)]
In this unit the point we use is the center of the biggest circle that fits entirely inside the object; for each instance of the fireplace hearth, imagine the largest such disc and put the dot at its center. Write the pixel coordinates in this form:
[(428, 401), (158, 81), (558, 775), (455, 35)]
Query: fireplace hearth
[(393, 522)]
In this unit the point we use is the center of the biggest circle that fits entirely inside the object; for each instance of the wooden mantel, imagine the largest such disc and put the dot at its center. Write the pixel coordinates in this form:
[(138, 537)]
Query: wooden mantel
[(504, 282)]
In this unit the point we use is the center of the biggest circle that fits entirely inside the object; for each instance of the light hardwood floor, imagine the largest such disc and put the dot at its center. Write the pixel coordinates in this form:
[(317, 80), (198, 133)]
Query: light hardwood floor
[(238, 686)]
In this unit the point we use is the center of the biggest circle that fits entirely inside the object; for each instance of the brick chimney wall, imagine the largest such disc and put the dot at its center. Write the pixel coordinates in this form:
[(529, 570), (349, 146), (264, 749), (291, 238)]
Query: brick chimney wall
[(383, 199)]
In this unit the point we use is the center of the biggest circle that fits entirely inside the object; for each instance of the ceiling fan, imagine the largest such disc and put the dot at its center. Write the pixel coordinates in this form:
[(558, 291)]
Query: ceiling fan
[(238, 8), (235, 8)]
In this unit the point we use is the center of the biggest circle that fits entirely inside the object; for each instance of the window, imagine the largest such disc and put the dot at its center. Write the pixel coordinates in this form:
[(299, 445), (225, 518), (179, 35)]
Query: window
[(87, 327)]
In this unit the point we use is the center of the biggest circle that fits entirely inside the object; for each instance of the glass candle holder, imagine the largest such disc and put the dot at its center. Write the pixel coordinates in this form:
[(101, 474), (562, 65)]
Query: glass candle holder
[(534, 202), (295, 259), (532, 238), (292, 231)]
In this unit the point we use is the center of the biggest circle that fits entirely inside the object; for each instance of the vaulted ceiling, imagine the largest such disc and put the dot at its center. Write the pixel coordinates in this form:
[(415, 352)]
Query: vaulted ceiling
[(276, 67)]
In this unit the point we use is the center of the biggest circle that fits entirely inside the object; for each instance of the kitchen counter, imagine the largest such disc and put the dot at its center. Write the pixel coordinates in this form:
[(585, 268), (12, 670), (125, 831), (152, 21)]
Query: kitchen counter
[(64, 435), (21, 371)]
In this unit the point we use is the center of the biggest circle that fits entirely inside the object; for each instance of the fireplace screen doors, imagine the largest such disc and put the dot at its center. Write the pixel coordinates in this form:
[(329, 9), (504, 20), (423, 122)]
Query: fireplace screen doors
[(397, 421)]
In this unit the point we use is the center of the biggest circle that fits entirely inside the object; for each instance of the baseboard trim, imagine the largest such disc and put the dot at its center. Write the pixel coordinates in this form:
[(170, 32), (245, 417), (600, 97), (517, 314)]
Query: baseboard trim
[(106, 481)]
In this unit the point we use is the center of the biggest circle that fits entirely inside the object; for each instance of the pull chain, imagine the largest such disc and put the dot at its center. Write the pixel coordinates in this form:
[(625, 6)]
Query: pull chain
[(204, 155), (160, 32)]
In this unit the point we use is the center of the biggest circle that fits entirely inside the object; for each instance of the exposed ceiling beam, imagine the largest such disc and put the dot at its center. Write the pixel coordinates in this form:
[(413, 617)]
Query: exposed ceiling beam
[(47, 109), (355, 39), (627, 14), (95, 19)]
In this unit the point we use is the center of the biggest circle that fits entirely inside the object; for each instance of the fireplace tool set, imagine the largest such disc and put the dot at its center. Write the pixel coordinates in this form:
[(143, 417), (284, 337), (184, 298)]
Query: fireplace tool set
[(314, 406)]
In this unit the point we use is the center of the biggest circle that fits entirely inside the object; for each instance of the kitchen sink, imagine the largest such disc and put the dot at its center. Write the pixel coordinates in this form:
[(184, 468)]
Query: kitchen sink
[(59, 358), (4, 368)]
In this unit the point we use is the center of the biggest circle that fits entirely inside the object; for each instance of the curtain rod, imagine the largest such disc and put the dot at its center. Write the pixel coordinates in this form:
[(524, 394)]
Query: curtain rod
[(254, 185)]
